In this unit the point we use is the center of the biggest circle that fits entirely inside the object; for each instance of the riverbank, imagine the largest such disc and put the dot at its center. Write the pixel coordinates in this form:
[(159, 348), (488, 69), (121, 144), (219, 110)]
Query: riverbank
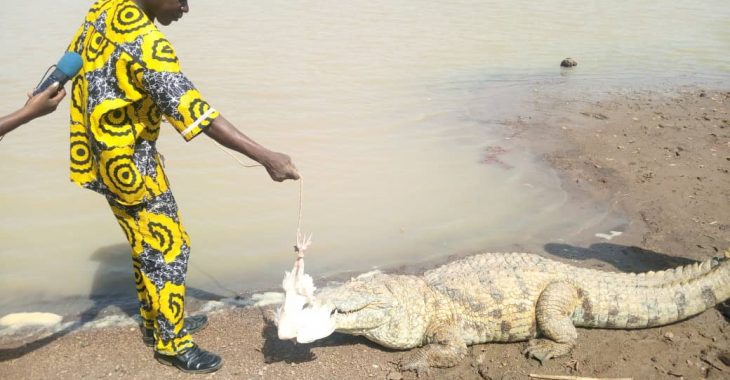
[(660, 158)]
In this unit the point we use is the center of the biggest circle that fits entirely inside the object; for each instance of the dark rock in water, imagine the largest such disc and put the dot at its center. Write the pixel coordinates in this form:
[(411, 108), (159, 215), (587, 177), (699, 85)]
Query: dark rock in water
[(568, 62)]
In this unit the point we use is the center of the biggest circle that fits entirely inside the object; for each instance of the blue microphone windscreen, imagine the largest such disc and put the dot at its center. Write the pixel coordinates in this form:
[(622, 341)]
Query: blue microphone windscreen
[(70, 64)]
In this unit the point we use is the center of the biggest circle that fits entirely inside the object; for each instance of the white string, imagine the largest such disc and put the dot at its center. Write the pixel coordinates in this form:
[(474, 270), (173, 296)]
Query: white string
[(303, 241), (299, 220), (228, 152)]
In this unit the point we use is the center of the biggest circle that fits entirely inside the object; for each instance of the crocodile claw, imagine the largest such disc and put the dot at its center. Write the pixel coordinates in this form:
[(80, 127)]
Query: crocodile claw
[(415, 363), (544, 349)]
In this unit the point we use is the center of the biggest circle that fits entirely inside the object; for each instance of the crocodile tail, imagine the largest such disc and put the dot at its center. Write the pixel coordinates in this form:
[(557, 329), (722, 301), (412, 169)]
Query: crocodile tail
[(690, 272), (656, 299), (711, 288)]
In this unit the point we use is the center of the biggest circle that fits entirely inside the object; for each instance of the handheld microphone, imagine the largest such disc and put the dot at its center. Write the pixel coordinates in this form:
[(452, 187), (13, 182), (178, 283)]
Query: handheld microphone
[(68, 66)]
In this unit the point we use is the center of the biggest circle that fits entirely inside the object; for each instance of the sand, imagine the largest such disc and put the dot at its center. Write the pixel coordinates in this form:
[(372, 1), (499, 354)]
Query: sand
[(659, 157)]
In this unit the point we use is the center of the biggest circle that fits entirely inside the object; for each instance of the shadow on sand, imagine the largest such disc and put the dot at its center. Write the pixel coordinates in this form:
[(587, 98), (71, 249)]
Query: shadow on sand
[(622, 257), (112, 292), (289, 351), (113, 285)]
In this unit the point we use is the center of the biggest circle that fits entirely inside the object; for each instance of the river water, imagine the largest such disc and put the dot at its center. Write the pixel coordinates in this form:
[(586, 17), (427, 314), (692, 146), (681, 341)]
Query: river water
[(394, 112)]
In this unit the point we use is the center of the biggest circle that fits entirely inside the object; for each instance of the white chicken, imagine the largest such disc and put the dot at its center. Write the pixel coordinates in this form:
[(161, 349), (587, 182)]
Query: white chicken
[(299, 292)]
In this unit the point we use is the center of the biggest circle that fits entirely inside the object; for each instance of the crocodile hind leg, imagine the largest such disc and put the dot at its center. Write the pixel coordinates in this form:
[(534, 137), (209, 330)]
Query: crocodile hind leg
[(447, 349), (553, 314)]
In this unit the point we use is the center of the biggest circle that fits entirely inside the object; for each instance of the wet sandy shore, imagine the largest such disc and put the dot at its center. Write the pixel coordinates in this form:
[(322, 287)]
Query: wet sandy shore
[(661, 158)]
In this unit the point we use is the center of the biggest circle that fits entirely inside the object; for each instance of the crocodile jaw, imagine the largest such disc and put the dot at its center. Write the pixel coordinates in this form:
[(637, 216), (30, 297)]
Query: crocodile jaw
[(391, 310), (318, 321), (358, 307), (359, 321)]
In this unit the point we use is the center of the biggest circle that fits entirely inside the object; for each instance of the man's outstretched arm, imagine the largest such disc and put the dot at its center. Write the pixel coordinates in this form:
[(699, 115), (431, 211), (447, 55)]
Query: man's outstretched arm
[(278, 165), (37, 106)]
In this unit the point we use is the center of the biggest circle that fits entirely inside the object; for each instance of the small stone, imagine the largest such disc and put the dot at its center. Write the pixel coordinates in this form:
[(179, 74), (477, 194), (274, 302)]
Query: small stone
[(669, 336), (393, 375), (568, 62)]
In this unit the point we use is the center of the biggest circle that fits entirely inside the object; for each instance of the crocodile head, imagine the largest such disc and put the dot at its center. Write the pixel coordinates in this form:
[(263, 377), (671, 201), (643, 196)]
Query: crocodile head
[(387, 309)]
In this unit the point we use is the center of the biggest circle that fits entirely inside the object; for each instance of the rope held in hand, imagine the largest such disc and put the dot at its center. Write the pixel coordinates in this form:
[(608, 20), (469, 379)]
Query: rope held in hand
[(302, 240)]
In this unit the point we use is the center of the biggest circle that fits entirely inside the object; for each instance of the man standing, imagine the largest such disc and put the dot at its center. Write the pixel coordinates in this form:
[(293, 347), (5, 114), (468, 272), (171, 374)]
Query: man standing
[(129, 81)]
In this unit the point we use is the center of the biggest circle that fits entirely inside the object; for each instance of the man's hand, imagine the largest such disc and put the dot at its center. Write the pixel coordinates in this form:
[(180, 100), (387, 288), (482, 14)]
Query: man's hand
[(280, 167), (45, 102), (36, 106)]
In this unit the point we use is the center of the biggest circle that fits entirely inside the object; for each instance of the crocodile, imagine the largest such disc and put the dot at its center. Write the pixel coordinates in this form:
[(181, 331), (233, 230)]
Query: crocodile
[(511, 297)]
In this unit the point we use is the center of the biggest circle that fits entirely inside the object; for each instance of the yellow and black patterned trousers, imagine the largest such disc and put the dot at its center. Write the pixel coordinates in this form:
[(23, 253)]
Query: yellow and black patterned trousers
[(160, 252)]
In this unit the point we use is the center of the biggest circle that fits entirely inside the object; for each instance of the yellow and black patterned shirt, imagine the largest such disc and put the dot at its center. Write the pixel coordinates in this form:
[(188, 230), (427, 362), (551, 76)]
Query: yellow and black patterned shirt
[(130, 79)]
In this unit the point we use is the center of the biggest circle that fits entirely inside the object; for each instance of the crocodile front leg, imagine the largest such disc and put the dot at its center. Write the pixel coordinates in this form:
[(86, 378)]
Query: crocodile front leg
[(553, 314), (446, 350)]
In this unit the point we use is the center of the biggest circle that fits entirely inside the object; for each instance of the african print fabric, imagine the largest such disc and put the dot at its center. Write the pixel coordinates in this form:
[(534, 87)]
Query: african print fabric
[(160, 253), (129, 81)]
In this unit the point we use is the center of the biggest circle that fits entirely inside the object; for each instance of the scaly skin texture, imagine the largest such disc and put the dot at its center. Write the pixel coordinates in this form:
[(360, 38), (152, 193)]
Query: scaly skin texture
[(510, 297)]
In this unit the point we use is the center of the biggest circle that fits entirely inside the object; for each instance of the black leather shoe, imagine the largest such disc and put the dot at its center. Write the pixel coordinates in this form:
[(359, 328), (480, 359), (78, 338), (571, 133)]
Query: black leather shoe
[(193, 324), (192, 360)]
